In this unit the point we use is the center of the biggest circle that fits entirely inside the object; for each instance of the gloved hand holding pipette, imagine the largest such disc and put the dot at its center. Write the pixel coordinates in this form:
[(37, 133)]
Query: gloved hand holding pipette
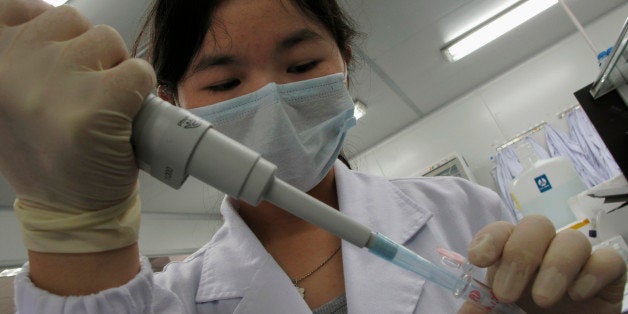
[(69, 93), (68, 137), (92, 94)]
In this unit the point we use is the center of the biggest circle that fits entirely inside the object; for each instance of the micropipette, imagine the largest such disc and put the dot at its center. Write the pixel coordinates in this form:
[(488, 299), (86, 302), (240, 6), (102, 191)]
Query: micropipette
[(170, 143)]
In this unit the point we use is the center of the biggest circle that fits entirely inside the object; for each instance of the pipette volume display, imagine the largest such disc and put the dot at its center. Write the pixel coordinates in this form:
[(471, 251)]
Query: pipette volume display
[(170, 143)]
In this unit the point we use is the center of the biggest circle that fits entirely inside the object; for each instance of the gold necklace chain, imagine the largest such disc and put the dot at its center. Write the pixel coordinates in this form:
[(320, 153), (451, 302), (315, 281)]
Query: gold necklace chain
[(295, 281)]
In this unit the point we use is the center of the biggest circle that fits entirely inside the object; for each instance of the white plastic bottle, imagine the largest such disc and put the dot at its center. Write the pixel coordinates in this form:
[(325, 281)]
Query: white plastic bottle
[(545, 188)]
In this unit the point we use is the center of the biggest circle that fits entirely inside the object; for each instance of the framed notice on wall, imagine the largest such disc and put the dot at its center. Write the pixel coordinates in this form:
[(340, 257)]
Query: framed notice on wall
[(452, 165)]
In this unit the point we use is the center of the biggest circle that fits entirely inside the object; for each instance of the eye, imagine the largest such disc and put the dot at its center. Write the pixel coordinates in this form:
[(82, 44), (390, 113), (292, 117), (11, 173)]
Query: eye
[(228, 85), (302, 68)]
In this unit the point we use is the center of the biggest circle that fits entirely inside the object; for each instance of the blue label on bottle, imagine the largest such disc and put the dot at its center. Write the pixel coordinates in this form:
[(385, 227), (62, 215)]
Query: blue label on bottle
[(542, 183)]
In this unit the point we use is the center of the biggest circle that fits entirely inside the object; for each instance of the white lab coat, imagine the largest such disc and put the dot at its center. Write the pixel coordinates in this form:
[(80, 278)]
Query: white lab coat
[(508, 167), (233, 273), (585, 134), (562, 144)]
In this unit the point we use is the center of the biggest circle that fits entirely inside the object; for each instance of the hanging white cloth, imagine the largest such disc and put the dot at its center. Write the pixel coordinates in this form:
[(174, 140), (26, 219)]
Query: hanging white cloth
[(540, 151), (583, 132), (508, 167), (561, 144)]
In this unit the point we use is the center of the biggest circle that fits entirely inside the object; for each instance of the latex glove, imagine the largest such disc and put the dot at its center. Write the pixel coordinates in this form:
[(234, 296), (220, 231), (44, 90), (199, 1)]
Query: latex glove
[(547, 272), (68, 95)]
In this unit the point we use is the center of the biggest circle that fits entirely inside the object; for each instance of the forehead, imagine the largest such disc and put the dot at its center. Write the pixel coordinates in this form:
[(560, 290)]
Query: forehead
[(259, 22)]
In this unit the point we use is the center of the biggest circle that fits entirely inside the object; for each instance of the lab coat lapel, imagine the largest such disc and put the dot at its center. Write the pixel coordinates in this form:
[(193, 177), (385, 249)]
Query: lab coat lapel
[(236, 266), (372, 284), (271, 293)]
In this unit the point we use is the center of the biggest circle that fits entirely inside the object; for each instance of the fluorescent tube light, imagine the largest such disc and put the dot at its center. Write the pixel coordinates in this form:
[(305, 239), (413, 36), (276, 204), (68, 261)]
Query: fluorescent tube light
[(56, 3), (359, 109), (495, 27)]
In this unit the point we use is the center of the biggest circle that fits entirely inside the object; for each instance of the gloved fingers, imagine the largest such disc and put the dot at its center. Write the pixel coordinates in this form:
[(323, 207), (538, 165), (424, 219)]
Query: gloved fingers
[(521, 256), (603, 275), (16, 12), (127, 84), (486, 247), (469, 308), (98, 49), (58, 24), (567, 253)]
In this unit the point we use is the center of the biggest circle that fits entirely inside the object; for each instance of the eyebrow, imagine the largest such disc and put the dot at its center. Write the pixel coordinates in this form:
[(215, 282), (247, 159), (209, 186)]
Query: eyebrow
[(298, 37), (208, 61), (294, 39)]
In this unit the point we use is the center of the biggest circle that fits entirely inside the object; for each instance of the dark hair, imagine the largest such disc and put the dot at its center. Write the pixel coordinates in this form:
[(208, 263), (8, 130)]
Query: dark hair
[(174, 32)]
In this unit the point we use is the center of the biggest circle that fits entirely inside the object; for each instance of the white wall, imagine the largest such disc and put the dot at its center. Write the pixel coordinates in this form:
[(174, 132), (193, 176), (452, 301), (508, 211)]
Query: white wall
[(12, 252), (490, 115)]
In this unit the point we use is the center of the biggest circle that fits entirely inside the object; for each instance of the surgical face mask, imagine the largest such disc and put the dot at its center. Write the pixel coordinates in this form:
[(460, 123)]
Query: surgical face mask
[(300, 126)]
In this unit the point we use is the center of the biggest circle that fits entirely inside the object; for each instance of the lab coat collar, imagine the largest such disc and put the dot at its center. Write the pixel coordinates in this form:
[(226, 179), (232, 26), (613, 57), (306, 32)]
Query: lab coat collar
[(236, 265), (372, 284), (379, 204)]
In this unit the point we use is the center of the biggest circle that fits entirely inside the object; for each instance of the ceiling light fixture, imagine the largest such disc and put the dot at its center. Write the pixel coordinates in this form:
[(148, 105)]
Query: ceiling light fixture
[(359, 109), (494, 27), (56, 3)]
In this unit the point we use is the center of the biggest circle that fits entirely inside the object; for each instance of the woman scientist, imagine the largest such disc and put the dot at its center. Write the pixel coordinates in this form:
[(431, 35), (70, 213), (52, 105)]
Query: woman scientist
[(271, 74)]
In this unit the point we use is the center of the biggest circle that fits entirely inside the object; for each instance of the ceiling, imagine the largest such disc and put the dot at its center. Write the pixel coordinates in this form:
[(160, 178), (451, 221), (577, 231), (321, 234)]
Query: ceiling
[(401, 75), (404, 76)]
